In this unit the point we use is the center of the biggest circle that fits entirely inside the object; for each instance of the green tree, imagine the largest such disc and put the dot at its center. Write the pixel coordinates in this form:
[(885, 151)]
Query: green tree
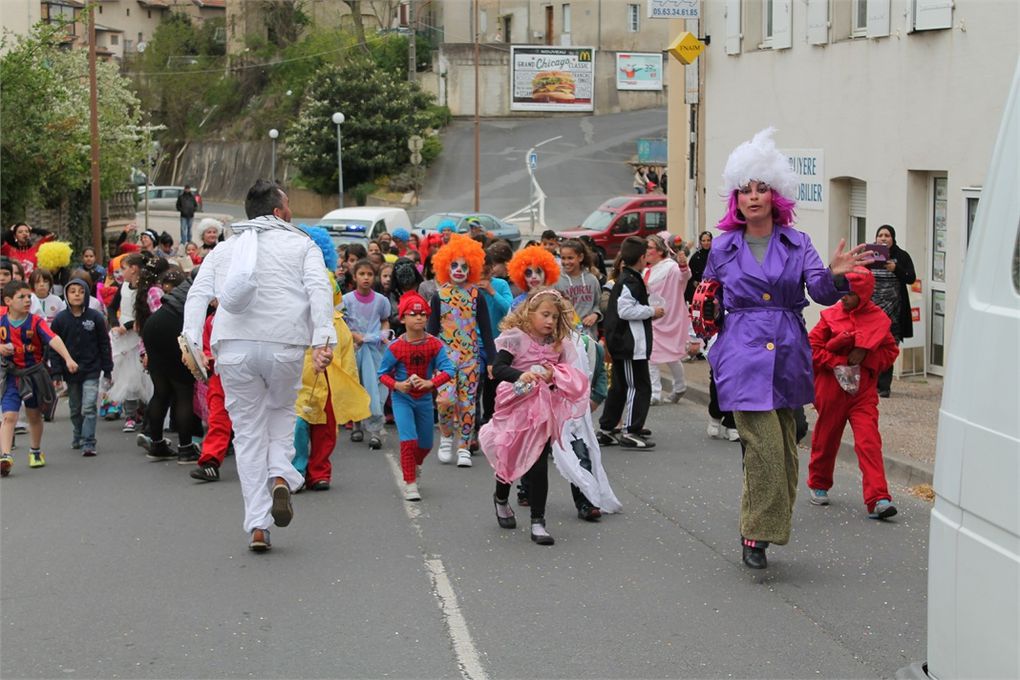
[(381, 112), (44, 113)]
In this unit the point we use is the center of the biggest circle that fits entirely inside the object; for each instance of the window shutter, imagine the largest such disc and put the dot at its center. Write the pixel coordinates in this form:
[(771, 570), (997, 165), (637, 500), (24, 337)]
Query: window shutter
[(732, 26), (858, 198), (818, 22), (782, 24), (878, 18), (933, 14)]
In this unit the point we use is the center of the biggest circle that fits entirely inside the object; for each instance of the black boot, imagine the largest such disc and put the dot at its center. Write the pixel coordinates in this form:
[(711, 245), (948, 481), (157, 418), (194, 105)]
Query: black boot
[(186, 455), (754, 554), (503, 508)]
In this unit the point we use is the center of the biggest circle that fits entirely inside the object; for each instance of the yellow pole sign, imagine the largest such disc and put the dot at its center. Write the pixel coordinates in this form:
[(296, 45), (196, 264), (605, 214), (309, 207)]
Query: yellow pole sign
[(686, 47)]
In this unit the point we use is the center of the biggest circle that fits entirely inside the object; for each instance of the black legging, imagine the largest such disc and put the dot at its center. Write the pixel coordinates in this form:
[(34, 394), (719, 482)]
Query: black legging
[(536, 481), (171, 381), (713, 405)]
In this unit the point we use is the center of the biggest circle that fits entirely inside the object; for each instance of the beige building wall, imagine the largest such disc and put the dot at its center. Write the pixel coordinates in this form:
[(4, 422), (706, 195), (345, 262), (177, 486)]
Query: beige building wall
[(912, 115), (18, 16), (602, 24)]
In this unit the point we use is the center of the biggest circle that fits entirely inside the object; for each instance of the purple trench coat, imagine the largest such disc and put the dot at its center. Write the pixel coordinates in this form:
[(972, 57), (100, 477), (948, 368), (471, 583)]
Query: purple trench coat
[(761, 359)]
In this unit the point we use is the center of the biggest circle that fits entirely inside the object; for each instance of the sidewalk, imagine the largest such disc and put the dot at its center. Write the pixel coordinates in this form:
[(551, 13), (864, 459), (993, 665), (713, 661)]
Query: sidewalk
[(908, 421)]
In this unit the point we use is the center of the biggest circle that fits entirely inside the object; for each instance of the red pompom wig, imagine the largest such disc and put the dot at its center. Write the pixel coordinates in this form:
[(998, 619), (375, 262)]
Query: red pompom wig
[(534, 257), (460, 246)]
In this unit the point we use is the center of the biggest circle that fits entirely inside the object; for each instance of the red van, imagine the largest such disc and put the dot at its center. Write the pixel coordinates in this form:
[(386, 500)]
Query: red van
[(620, 217)]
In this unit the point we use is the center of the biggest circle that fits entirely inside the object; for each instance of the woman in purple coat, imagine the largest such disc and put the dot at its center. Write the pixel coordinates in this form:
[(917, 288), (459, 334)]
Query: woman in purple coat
[(762, 359)]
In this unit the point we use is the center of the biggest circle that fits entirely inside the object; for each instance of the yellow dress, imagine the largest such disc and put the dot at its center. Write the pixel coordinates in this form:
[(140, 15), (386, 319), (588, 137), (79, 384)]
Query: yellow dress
[(350, 400)]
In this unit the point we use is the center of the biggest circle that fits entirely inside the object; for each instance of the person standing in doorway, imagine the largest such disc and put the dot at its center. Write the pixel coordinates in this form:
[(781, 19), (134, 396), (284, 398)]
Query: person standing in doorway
[(187, 204), (275, 300), (891, 280)]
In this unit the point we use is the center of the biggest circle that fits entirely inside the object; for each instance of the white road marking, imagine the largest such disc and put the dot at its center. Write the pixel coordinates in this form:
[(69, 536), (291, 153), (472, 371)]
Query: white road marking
[(468, 660)]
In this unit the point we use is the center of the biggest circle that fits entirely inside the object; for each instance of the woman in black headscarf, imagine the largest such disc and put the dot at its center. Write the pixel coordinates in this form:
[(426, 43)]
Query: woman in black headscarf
[(891, 281), (697, 264)]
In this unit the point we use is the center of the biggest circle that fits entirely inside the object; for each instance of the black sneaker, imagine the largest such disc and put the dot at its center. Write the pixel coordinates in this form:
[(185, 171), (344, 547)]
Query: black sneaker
[(160, 451), (206, 473), (605, 439), (186, 455), (588, 513), (633, 441)]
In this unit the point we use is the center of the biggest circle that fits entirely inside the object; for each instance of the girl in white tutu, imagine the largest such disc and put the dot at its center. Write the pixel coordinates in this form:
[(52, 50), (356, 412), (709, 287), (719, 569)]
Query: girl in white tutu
[(131, 385)]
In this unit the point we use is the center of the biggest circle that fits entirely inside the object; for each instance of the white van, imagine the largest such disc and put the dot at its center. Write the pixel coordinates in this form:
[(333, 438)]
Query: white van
[(361, 225), (974, 544)]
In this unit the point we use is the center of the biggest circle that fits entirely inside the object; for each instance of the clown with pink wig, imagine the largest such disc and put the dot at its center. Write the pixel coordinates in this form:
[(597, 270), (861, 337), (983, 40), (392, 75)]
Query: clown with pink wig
[(762, 359)]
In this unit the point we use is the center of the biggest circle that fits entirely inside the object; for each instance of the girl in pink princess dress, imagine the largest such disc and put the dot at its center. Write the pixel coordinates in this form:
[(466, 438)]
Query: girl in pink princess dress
[(539, 390)]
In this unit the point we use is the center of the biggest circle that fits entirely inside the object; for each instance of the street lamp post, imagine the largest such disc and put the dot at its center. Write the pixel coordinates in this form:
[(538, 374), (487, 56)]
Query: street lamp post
[(338, 119), (273, 134)]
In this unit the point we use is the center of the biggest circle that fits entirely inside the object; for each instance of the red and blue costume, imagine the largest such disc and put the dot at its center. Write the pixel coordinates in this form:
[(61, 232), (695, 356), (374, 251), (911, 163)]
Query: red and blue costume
[(29, 338), (413, 411)]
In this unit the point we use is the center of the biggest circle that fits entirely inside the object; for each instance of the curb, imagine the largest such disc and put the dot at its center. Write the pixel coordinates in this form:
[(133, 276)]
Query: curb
[(899, 469)]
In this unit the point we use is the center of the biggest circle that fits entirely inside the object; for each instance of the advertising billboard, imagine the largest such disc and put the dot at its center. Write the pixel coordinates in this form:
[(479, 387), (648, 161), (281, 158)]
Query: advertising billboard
[(552, 78), (638, 71)]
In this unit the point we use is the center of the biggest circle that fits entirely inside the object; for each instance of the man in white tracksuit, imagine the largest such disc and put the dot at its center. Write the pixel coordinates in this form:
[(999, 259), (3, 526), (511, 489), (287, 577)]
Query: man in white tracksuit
[(274, 301)]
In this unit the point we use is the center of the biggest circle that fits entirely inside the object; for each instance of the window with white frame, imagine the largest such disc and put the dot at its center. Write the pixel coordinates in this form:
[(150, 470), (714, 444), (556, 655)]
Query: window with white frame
[(858, 211), (766, 22), (859, 18), (566, 18), (633, 18)]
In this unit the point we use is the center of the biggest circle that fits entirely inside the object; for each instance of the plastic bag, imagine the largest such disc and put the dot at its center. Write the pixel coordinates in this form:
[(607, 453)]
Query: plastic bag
[(848, 377)]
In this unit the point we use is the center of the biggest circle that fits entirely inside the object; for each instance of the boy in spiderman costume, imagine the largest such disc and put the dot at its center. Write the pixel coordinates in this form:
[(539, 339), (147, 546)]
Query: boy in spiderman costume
[(853, 332), (412, 366)]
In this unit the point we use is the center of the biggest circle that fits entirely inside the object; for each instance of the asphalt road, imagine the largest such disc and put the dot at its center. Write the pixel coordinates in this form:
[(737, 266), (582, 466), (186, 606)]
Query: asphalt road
[(578, 171), (116, 567)]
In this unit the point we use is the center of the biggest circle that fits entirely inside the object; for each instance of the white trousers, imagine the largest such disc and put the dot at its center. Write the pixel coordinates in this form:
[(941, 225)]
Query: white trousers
[(655, 374), (260, 384)]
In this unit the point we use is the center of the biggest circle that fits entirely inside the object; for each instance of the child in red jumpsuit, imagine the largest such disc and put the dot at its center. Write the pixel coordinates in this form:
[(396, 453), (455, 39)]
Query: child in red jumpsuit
[(853, 332)]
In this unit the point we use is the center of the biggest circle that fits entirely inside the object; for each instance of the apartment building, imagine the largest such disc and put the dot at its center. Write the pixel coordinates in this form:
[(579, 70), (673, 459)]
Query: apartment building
[(121, 25), (891, 108)]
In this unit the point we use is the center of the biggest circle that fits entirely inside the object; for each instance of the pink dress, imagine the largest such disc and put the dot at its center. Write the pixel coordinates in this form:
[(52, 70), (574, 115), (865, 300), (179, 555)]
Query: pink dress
[(521, 425), (669, 334)]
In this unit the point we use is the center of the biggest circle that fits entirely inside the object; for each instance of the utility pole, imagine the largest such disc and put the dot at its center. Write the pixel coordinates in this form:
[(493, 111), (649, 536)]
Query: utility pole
[(412, 57), (97, 229), (478, 123)]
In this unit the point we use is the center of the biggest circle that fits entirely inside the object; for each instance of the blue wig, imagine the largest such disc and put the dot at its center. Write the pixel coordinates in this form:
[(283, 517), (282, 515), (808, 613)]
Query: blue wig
[(325, 243)]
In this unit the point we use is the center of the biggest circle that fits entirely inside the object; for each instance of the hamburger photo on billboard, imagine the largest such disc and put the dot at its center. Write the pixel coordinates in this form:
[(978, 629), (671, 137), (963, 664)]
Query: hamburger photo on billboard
[(553, 86)]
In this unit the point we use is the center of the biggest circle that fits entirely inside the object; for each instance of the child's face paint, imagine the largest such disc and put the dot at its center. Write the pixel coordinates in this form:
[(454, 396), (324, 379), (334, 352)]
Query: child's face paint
[(459, 270), (534, 277)]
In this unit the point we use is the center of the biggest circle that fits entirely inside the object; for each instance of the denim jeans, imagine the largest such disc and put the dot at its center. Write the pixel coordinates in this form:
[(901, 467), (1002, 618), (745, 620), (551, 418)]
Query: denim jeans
[(185, 230), (82, 398)]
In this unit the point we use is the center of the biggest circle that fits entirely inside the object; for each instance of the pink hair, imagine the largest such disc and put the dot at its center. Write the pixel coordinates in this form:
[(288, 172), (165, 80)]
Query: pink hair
[(782, 212)]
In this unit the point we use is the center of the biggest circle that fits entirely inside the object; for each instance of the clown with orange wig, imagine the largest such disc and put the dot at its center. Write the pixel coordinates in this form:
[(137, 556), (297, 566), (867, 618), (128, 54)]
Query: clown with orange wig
[(460, 318), (530, 268)]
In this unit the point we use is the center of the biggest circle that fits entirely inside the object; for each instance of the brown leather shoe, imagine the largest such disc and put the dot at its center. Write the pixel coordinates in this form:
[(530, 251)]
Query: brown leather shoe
[(283, 511), (259, 541)]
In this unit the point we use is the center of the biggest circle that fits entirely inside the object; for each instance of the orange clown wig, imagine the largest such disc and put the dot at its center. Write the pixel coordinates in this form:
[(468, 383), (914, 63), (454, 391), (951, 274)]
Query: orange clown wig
[(533, 257), (460, 246)]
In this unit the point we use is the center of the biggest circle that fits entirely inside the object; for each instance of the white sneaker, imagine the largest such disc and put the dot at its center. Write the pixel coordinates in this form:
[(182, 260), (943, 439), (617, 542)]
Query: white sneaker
[(715, 428), (732, 434), (411, 492), (655, 401), (463, 458), (445, 452)]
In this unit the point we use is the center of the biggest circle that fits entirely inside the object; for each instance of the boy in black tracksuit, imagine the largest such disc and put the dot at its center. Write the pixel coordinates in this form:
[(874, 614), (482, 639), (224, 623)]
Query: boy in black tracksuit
[(628, 324), (84, 332)]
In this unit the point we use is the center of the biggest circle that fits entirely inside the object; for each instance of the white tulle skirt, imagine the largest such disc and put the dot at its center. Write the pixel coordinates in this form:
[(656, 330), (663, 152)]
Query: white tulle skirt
[(130, 381)]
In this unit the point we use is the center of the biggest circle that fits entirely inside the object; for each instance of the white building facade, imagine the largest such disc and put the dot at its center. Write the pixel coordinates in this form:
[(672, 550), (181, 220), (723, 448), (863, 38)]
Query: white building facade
[(891, 108)]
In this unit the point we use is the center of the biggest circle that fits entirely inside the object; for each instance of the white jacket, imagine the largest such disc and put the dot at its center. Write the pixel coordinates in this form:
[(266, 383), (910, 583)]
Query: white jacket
[(293, 304)]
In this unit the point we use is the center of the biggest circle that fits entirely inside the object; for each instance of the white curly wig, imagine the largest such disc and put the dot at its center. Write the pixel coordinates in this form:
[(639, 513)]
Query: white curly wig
[(759, 160)]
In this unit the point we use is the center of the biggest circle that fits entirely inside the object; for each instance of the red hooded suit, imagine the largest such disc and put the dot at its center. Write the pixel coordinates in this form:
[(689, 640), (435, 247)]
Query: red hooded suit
[(837, 333)]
